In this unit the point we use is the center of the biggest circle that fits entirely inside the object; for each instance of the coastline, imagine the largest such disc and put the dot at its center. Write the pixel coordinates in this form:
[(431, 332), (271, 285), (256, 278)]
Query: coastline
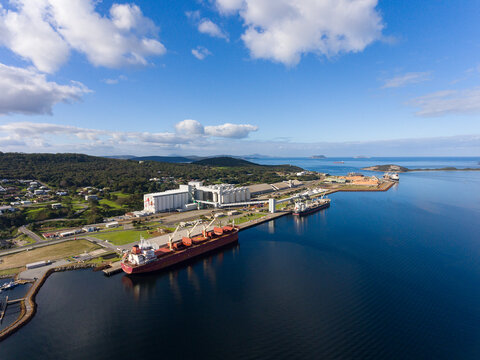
[(28, 306)]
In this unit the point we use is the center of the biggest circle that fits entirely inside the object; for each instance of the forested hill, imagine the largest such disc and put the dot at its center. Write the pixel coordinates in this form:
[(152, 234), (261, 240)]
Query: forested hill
[(225, 161), (77, 170)]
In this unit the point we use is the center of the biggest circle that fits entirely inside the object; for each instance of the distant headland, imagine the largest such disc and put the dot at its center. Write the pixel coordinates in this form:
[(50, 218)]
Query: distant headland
[(401, 169)]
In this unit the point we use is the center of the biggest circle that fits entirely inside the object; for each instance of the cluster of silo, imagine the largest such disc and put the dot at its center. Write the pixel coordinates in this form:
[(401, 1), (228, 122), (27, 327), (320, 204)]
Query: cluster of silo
[(234, 195)]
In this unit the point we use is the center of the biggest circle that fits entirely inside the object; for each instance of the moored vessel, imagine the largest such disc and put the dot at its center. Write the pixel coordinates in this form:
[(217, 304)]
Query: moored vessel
[(305, 208), (391, 176), (144, 257)]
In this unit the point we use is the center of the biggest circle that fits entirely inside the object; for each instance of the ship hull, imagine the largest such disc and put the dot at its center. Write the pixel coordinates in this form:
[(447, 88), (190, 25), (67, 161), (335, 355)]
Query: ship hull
[(312, 210), (183, 255)]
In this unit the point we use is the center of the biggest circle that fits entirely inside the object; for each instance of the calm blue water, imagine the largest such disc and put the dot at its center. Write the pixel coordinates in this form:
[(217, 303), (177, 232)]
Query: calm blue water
[(391, 275), (351, 164)]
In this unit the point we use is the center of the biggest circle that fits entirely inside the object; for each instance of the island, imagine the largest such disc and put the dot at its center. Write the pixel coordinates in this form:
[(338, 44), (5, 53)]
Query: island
[(401, 169)]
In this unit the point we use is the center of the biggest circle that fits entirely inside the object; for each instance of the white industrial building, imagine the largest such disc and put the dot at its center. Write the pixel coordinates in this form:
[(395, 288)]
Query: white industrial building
[(185, 197), (221, 194)]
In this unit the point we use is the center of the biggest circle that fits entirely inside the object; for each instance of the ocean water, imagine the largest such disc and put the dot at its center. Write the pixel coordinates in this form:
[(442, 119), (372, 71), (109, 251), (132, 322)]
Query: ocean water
[(388, 275), (334, 167)]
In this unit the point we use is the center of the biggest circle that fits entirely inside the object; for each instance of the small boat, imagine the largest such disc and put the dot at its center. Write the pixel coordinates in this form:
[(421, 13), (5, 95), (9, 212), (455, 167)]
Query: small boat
[(8, 286), (339, 162)]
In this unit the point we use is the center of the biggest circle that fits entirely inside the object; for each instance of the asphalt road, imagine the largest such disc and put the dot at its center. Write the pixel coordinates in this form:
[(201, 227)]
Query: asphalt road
[(30, 234)]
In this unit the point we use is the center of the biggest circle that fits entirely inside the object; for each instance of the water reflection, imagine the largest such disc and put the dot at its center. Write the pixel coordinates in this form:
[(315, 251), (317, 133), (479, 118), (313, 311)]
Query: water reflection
[(144, 285), (193, 278), (271, 227)]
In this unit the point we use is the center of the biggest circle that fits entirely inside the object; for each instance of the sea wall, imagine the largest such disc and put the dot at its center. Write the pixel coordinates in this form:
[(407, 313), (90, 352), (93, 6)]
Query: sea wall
[(28, 307)]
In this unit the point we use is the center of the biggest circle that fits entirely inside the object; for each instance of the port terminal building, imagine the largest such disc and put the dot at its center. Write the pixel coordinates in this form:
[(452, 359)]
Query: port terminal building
[(188, 197)]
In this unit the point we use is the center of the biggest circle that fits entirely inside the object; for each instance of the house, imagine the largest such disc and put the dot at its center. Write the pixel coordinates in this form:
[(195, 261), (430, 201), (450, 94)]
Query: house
[(6, 209), (90, 228), (112, 224), (91, 197), (56, 206)]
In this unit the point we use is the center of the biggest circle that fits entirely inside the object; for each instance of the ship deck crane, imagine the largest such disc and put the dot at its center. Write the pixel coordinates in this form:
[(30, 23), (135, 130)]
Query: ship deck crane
[(170, 238), (189, 232)]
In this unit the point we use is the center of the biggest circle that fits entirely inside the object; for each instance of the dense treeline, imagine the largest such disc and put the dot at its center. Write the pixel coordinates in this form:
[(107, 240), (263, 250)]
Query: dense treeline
[(68, 171)]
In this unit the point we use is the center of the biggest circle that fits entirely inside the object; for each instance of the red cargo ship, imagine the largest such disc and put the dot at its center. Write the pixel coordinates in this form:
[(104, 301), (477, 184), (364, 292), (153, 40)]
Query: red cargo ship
[(144, 258)]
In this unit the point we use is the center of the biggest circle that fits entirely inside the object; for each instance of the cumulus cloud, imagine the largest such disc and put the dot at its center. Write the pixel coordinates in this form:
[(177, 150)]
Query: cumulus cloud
[(189, 127), (207, 26), (44, 32), (448, 102), (188, 132), (193, 127), (284, 30), (236, 131), (201, 52), (406, 79), (27, 91)]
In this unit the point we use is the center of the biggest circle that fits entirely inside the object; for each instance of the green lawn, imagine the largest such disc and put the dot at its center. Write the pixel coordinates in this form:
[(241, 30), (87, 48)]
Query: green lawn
[(76, 205), (110, 203), (123, 237), (25, 238), (250, 217), (33, 210), (12, 272), (120, 194)]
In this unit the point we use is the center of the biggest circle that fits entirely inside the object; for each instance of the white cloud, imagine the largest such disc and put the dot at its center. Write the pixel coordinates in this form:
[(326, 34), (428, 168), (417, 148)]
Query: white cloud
[(27, 33), (449, 102), (129, 17), (236, 131), (63, 138), (28, 92), (115, 80), (44, 31), (206, 26), (284, 30), (406, 79), (228, 6), (188, 133), (201, 52), (189, 127)]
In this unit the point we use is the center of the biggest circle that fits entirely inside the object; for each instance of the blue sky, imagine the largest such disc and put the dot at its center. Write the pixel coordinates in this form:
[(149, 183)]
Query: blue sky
[(276, 77)]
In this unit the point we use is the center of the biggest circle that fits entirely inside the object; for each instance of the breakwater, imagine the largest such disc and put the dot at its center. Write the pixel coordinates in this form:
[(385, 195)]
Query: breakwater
[(28, 307)]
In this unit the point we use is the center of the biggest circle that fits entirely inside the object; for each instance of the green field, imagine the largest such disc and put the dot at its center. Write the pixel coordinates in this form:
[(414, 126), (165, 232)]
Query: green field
[(120, 194), (13, 271), (253, 216), (51, 252), (123, 237), (110, 203), (78, 205)]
